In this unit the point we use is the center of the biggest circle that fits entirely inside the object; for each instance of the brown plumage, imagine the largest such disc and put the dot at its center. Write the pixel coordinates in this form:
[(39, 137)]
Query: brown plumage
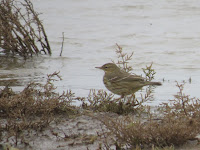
[(122, 83)]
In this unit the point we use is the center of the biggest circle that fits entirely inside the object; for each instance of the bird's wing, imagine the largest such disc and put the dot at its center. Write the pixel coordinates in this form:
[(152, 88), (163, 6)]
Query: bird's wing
[(131, 78), (126, 78)]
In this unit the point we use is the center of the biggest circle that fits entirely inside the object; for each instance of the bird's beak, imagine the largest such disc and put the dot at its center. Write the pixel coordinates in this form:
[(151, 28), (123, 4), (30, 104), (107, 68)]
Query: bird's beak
[(98, 67)]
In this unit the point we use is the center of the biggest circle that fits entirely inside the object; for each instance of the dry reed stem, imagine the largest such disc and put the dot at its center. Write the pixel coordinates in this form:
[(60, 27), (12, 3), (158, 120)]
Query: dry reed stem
[(21, 30)]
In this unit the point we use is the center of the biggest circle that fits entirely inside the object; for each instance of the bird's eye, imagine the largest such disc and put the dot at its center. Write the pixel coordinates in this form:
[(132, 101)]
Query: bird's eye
[(106, 67)]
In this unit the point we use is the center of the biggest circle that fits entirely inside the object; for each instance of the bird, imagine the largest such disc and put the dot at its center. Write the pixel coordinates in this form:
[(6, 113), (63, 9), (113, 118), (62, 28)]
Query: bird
[(122, 83)]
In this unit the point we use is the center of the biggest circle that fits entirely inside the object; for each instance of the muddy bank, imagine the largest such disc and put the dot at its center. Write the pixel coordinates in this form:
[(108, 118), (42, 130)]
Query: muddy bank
[(79, 133)]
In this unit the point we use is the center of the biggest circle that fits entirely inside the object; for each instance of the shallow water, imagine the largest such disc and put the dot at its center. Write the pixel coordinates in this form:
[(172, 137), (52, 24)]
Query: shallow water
[(164, 32)]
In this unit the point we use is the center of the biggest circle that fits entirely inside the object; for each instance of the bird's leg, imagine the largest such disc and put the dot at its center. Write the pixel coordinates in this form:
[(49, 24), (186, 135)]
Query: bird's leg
[(120, 98), (129, 99)]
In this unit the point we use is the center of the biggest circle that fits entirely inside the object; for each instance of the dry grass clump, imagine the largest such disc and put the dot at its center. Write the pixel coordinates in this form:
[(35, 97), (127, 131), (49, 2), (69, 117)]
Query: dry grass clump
[(173, 123), (21, 30), (32, 109), (101, 101)]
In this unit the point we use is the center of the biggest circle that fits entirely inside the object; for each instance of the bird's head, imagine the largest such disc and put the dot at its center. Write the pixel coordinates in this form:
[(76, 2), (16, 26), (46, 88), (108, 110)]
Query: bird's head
[(109, 67)]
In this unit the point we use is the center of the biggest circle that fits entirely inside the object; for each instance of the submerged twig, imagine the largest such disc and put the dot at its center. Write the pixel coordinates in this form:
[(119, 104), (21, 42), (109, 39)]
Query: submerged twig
[(63, 38)]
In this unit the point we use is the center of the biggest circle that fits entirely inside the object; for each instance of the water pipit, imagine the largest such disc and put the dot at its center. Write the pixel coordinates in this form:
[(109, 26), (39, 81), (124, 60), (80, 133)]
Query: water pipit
[(122, 83)]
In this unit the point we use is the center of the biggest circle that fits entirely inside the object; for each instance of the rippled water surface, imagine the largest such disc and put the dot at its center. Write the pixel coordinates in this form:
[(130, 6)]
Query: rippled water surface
[(165, 32)]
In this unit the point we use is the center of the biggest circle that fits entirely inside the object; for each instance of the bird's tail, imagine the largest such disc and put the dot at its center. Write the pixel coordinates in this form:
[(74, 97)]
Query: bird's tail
[(155, 83)]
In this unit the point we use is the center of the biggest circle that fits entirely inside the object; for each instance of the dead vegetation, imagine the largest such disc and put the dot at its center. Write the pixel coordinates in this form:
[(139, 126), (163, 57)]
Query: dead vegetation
[(21, 31), (171, 124), (101, 101), (33, 109), (123, 59)]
